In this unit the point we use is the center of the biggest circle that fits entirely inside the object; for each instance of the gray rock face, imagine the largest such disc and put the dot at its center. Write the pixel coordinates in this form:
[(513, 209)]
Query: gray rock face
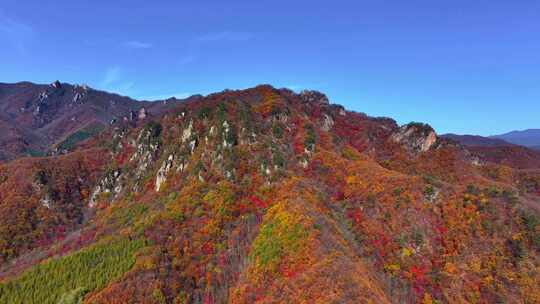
[(188, 132), (228, 142), (161, 176), (328, 123), (142, 113), (110, 183), (77, 97), (147, 147), (314, 96), (56, 84), (43, 95), (415, 137), (46, 201), (39, 185)]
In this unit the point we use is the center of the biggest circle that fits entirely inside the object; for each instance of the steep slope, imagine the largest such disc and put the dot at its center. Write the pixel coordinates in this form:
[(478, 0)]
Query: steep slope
[(41, 118), (268, 196)]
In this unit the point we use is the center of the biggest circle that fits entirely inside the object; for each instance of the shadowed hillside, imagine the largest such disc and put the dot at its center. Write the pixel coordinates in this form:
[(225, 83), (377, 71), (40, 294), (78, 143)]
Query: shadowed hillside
[(42, 119)]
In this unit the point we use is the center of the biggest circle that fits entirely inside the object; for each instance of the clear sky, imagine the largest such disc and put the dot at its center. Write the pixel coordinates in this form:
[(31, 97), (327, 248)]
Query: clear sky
[(464, 66)]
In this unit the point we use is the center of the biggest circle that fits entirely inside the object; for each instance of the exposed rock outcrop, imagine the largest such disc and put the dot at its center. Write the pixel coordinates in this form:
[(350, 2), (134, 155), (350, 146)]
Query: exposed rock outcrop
[(314, 96), (161, 176), (56, 84), (328, 123), (147, 147), (110, 183), (415, 137), (142, 113)]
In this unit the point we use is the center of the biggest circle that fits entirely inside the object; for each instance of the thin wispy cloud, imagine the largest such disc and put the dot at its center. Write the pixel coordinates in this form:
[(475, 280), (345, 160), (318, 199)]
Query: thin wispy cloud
[(112, 75), (307, 86), (135, 44), (10, 26), (126, 87), (14, 32), (186, 60), (123, 88), (114, 81), (225, 36), (294, 87), (182, 95)]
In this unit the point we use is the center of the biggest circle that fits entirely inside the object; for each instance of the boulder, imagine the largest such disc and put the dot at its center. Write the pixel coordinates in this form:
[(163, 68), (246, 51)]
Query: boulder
[(415, 137)]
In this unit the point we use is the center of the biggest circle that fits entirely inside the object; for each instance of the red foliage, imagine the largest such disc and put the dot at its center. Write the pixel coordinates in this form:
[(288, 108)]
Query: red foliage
[(355, 215), (258, 202), (419, 280), (122, 157), (207, 248), (207, 299)]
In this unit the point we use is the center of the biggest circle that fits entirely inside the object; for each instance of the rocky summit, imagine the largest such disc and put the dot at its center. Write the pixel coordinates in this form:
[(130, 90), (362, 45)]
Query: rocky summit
[(261, 195), (40, 120)]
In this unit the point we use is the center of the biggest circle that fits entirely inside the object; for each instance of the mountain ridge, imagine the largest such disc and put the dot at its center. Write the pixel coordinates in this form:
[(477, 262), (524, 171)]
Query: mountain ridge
[(497, 150), (527, 138), (265, 195), (39, 117), (476, 140)]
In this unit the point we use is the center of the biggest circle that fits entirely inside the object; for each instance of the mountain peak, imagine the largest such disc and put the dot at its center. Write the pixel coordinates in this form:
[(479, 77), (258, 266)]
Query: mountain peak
[(56, 84), (527, 138)]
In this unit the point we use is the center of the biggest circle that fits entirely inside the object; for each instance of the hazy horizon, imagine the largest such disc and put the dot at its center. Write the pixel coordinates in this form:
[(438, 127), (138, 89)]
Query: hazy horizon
[(464, 68)]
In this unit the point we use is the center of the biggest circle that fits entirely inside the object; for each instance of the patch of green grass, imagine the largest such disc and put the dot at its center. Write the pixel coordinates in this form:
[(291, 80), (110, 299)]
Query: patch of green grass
[(278, 238), (34, 153), (79, 136), (124, 215), (68, 278)]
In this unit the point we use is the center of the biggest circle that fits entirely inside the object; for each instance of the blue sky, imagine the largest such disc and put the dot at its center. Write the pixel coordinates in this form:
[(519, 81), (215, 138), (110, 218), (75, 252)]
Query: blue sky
[(462, 66)]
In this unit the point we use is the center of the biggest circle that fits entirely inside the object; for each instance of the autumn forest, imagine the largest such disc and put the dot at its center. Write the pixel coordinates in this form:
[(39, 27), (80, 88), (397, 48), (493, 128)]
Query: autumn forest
[(266, 195)]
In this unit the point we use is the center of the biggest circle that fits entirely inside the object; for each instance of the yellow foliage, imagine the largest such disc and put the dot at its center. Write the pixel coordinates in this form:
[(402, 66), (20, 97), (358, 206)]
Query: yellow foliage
[(284, 236), (392, 268), (144, 262), (475, 264), (487, 280), (517, 236), (427, 299), (406, 252)]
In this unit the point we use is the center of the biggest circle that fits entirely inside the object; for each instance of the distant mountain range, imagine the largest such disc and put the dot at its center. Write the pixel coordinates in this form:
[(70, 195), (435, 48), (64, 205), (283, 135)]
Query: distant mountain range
[(476, 140), (527, 138), (496, 150)]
